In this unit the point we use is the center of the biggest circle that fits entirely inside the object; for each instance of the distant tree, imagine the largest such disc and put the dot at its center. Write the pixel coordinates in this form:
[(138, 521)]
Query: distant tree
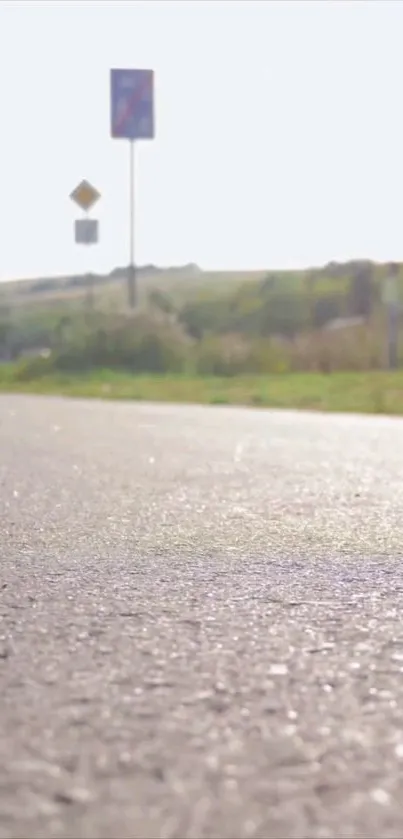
[(161, 301), (361, 296), (326, 308), (269, 283)]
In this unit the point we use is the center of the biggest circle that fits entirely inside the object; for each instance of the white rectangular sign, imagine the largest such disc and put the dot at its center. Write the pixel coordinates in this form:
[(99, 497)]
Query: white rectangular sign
[(390, 291), (86, 231)]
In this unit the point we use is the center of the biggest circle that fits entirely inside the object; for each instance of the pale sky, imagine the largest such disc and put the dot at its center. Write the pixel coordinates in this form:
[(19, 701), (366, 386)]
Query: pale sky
[(279, 133)]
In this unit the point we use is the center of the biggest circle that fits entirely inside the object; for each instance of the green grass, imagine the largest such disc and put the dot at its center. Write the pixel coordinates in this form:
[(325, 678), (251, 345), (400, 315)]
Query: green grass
[(367, 392)]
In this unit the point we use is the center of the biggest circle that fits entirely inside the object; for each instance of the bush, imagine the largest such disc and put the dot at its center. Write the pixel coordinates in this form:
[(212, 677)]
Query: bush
[(221, 355), (232, 355), (36, 367), (350, 348), (136, 343)]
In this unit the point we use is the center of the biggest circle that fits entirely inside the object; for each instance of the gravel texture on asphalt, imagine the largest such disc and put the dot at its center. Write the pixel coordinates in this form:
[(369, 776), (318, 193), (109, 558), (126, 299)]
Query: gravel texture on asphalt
[(201, 629)]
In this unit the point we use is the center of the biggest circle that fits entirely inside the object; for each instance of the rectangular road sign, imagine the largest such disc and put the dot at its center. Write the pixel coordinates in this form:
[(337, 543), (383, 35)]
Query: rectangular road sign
[(86, 231), (132, 104), (390, 291)]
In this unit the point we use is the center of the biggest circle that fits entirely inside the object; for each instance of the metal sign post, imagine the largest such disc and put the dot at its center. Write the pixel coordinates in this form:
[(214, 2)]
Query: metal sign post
[(132, 118), (86, 230), (391, 301), (131, 280)]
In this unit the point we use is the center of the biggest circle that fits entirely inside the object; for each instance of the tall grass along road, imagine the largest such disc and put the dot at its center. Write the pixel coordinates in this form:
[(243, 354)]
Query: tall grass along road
[(371, 392)]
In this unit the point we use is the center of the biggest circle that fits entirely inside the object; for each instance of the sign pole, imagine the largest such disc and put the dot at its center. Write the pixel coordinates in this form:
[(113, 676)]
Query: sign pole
[(86, 229), (131, 289), (89, 302), (393, 335), (391, 301), (132, 118)]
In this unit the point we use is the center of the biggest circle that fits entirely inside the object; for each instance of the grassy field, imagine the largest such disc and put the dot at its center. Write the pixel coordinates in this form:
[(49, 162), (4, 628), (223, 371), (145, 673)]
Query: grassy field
[(366, 392)]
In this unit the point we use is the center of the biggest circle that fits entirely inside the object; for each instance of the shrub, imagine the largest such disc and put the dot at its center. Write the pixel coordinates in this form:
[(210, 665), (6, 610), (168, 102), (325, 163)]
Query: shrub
[(136, 343), (231, 355)]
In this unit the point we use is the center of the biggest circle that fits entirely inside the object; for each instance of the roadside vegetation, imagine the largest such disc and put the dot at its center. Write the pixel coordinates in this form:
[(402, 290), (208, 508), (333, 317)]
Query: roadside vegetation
[(313, 339)]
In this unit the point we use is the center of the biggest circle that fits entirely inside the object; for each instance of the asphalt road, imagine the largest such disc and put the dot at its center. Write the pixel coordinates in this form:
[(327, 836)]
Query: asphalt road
[(201, 623)]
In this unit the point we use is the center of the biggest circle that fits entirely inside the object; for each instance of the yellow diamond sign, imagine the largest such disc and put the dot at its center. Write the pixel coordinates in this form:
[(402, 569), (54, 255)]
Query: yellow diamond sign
[(85, 195)]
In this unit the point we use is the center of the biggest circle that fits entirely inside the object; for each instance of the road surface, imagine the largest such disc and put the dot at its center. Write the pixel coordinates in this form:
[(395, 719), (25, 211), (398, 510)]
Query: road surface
[(201, 623)]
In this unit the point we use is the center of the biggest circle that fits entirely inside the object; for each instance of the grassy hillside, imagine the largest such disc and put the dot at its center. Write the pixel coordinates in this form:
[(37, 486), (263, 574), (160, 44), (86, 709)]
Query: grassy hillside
[(109, 290), (179, 283), (182, 283)]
